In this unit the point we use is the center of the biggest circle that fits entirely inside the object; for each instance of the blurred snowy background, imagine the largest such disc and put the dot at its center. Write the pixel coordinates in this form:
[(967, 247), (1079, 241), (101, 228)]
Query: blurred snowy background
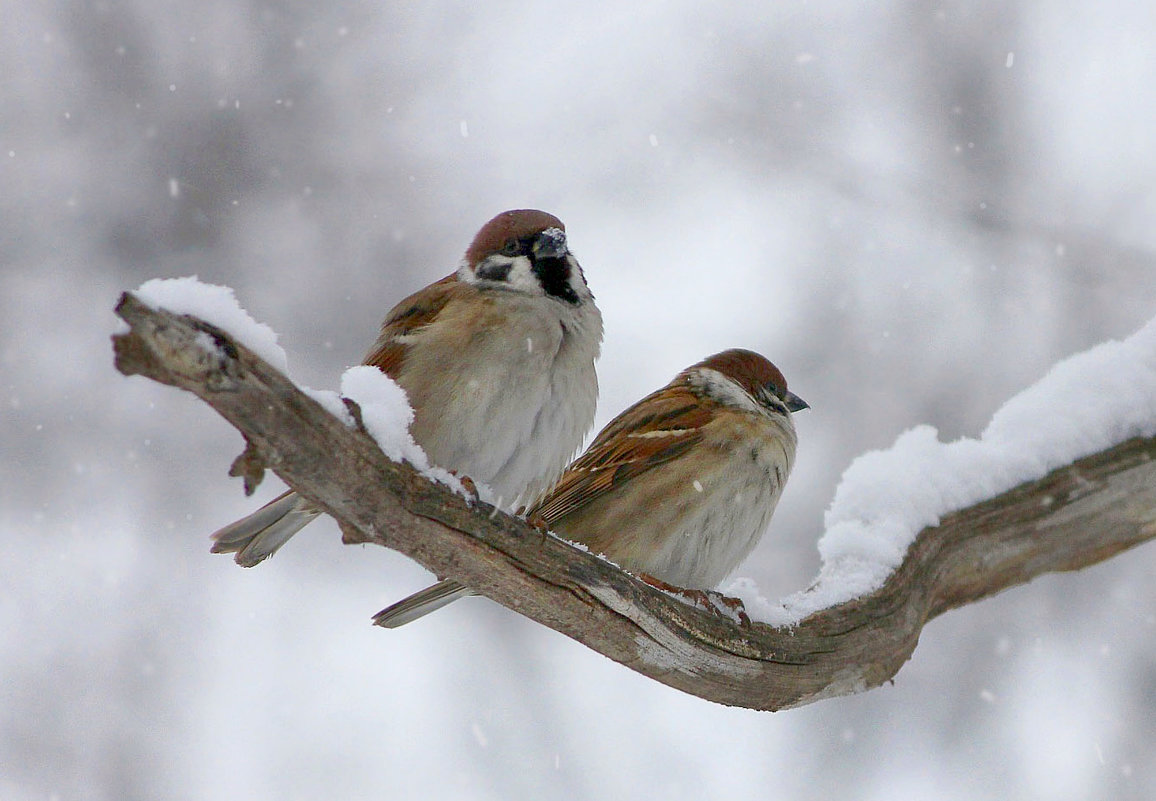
[(913, 208)]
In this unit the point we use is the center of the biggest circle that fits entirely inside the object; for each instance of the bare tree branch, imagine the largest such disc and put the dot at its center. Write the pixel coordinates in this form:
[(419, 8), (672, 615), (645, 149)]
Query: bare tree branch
[(1076, 516)]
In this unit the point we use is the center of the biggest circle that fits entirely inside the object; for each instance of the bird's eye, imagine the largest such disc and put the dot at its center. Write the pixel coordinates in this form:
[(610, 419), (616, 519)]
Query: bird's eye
[(770, 391), (510, 248)]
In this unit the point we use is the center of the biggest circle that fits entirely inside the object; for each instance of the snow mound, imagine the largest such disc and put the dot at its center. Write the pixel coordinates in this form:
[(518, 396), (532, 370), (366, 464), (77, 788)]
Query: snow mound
[(217, 305), (387, 416), (1085, 404), (385, 410)]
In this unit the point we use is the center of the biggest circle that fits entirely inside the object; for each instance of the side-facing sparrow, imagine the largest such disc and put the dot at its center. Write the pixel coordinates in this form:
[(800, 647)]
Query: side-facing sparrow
[(497, 360), (679, 487)]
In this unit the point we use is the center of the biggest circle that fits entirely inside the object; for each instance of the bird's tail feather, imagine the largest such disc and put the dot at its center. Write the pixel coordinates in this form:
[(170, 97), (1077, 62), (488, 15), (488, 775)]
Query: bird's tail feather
[(421, 604), (256, 537)]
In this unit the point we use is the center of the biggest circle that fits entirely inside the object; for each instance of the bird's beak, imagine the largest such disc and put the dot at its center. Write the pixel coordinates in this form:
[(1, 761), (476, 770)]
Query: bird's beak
[(550, 244), (794, 402)]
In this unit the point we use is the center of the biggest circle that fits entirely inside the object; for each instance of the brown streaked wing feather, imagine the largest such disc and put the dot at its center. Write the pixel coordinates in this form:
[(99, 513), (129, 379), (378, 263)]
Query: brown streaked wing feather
[(418, 310), (615, 457)]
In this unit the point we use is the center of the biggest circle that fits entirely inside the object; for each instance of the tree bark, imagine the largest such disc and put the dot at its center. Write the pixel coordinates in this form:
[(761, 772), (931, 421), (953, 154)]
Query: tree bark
[(1074, 517)]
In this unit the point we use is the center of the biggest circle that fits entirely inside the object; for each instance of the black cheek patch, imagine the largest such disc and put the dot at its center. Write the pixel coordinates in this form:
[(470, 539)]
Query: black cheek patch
[(494, 271), (554, 275)]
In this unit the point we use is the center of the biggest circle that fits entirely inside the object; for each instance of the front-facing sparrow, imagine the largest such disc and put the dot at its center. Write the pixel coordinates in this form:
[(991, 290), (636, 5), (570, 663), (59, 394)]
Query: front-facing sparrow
[(497, 360)]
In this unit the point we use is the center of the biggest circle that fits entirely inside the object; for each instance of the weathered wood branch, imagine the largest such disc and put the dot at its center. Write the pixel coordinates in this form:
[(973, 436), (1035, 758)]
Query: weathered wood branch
[(1074, 517)]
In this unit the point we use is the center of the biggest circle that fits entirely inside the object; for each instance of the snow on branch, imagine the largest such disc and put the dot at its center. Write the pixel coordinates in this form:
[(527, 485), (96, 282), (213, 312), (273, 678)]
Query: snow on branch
[(1078, 514)]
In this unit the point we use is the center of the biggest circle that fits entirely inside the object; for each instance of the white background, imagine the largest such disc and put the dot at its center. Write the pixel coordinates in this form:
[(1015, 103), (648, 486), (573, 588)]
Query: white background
[(912, 209)]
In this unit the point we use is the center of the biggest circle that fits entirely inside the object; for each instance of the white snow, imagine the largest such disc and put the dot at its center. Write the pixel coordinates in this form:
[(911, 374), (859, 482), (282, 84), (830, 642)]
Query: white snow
[(1085, 404), (331, 402), (386, 415), (385, 410), (217, 305)]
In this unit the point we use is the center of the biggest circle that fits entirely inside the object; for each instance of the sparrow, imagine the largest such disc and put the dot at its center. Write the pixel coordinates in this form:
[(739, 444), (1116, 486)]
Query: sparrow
[(497, 361), (678, 488)]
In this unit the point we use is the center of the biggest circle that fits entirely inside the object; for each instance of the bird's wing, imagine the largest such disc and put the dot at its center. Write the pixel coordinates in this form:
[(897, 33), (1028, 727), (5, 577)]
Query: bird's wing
[(403, 320), (659, 428)]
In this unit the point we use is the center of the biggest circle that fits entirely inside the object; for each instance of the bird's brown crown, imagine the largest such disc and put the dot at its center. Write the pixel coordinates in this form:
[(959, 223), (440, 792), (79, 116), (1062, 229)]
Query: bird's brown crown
[(746, 368), (514, 224)]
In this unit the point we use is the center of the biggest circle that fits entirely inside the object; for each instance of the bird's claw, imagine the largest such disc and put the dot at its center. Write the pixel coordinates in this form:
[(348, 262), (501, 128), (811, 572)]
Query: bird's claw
[(708, 600), (468, 485)]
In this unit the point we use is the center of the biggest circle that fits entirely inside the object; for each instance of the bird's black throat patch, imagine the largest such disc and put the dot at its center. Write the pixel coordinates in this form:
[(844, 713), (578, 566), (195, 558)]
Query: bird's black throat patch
[(554, 273)]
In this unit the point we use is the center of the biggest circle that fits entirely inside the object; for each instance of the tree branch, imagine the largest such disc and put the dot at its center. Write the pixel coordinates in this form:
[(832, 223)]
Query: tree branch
[(1076, 516)]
